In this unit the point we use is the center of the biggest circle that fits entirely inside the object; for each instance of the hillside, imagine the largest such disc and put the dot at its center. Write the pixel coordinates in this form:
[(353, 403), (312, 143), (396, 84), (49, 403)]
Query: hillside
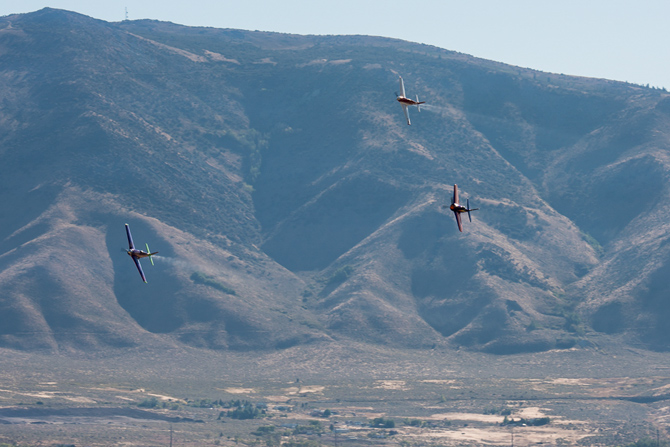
[(291, 203)]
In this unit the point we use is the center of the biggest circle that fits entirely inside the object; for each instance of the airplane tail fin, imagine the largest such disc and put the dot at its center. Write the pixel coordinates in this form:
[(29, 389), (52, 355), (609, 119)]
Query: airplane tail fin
[(418, 106), (150, 254)]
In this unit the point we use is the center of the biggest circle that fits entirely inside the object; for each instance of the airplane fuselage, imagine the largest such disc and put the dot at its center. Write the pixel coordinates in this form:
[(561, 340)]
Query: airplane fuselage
[(456, 208), (135, 253), (408, 102)]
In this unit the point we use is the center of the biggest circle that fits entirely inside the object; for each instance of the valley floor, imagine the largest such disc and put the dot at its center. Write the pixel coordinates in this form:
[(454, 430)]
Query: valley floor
[(330, 394)]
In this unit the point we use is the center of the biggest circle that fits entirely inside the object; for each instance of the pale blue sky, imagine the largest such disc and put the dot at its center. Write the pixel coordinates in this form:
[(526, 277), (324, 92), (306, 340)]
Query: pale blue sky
[(613, 39)]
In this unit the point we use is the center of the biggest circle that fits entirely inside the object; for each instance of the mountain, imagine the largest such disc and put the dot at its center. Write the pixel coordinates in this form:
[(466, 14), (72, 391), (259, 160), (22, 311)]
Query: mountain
[(291, 203)]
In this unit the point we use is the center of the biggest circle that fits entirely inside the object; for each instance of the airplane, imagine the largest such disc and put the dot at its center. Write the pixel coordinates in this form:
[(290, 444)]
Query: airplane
[(457, 208), (137, 254), (406, 102)]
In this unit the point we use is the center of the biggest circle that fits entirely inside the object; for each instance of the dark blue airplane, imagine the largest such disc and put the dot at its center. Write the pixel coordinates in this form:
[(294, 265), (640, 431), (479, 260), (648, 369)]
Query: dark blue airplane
[(137, 254)]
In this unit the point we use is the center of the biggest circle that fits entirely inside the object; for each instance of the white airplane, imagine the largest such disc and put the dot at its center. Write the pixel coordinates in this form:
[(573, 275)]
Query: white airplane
[(406, 102)]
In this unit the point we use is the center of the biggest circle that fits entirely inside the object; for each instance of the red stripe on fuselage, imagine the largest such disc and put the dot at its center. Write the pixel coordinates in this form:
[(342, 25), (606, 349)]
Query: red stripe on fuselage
[(408, 101)]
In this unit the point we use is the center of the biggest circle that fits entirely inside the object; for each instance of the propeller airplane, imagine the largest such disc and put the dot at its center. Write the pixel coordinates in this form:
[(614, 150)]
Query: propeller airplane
[(405, 102), (137, 254), (458, 209)]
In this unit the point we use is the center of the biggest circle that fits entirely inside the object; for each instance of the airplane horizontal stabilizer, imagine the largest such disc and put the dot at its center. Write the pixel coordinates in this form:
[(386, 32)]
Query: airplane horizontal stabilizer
[(150, 254)]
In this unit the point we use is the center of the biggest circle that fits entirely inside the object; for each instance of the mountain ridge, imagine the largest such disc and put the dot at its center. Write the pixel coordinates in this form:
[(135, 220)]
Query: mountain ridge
[(291, 203)]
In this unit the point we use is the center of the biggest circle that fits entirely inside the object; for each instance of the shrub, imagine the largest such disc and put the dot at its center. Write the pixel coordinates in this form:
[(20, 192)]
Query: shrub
[(314, 427), (149, 403), (340, 275), (536, 422), (206, 280), (382, 423), (648, 442), (503, 411), (241, 409), (245, 412), (414, 422), (263, 430), (301, 443)]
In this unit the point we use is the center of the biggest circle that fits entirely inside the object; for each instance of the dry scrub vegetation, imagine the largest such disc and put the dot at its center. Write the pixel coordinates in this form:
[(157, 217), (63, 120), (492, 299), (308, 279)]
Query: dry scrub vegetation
[(371, 398)]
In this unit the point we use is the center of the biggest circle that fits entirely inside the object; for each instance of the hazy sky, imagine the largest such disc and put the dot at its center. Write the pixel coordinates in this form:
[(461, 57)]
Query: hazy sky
[(613, 39)]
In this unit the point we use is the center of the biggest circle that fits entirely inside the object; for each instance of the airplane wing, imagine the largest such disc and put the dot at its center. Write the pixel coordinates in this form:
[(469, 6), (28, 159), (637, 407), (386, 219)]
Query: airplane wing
[(402, 87), (455, 199), (139, 268), (458, 220), (404, 109), (130, 238)]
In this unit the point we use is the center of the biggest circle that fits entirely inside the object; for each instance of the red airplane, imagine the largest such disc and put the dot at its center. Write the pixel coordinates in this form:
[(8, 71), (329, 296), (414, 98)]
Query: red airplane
[(457, 208), (406, 102)]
